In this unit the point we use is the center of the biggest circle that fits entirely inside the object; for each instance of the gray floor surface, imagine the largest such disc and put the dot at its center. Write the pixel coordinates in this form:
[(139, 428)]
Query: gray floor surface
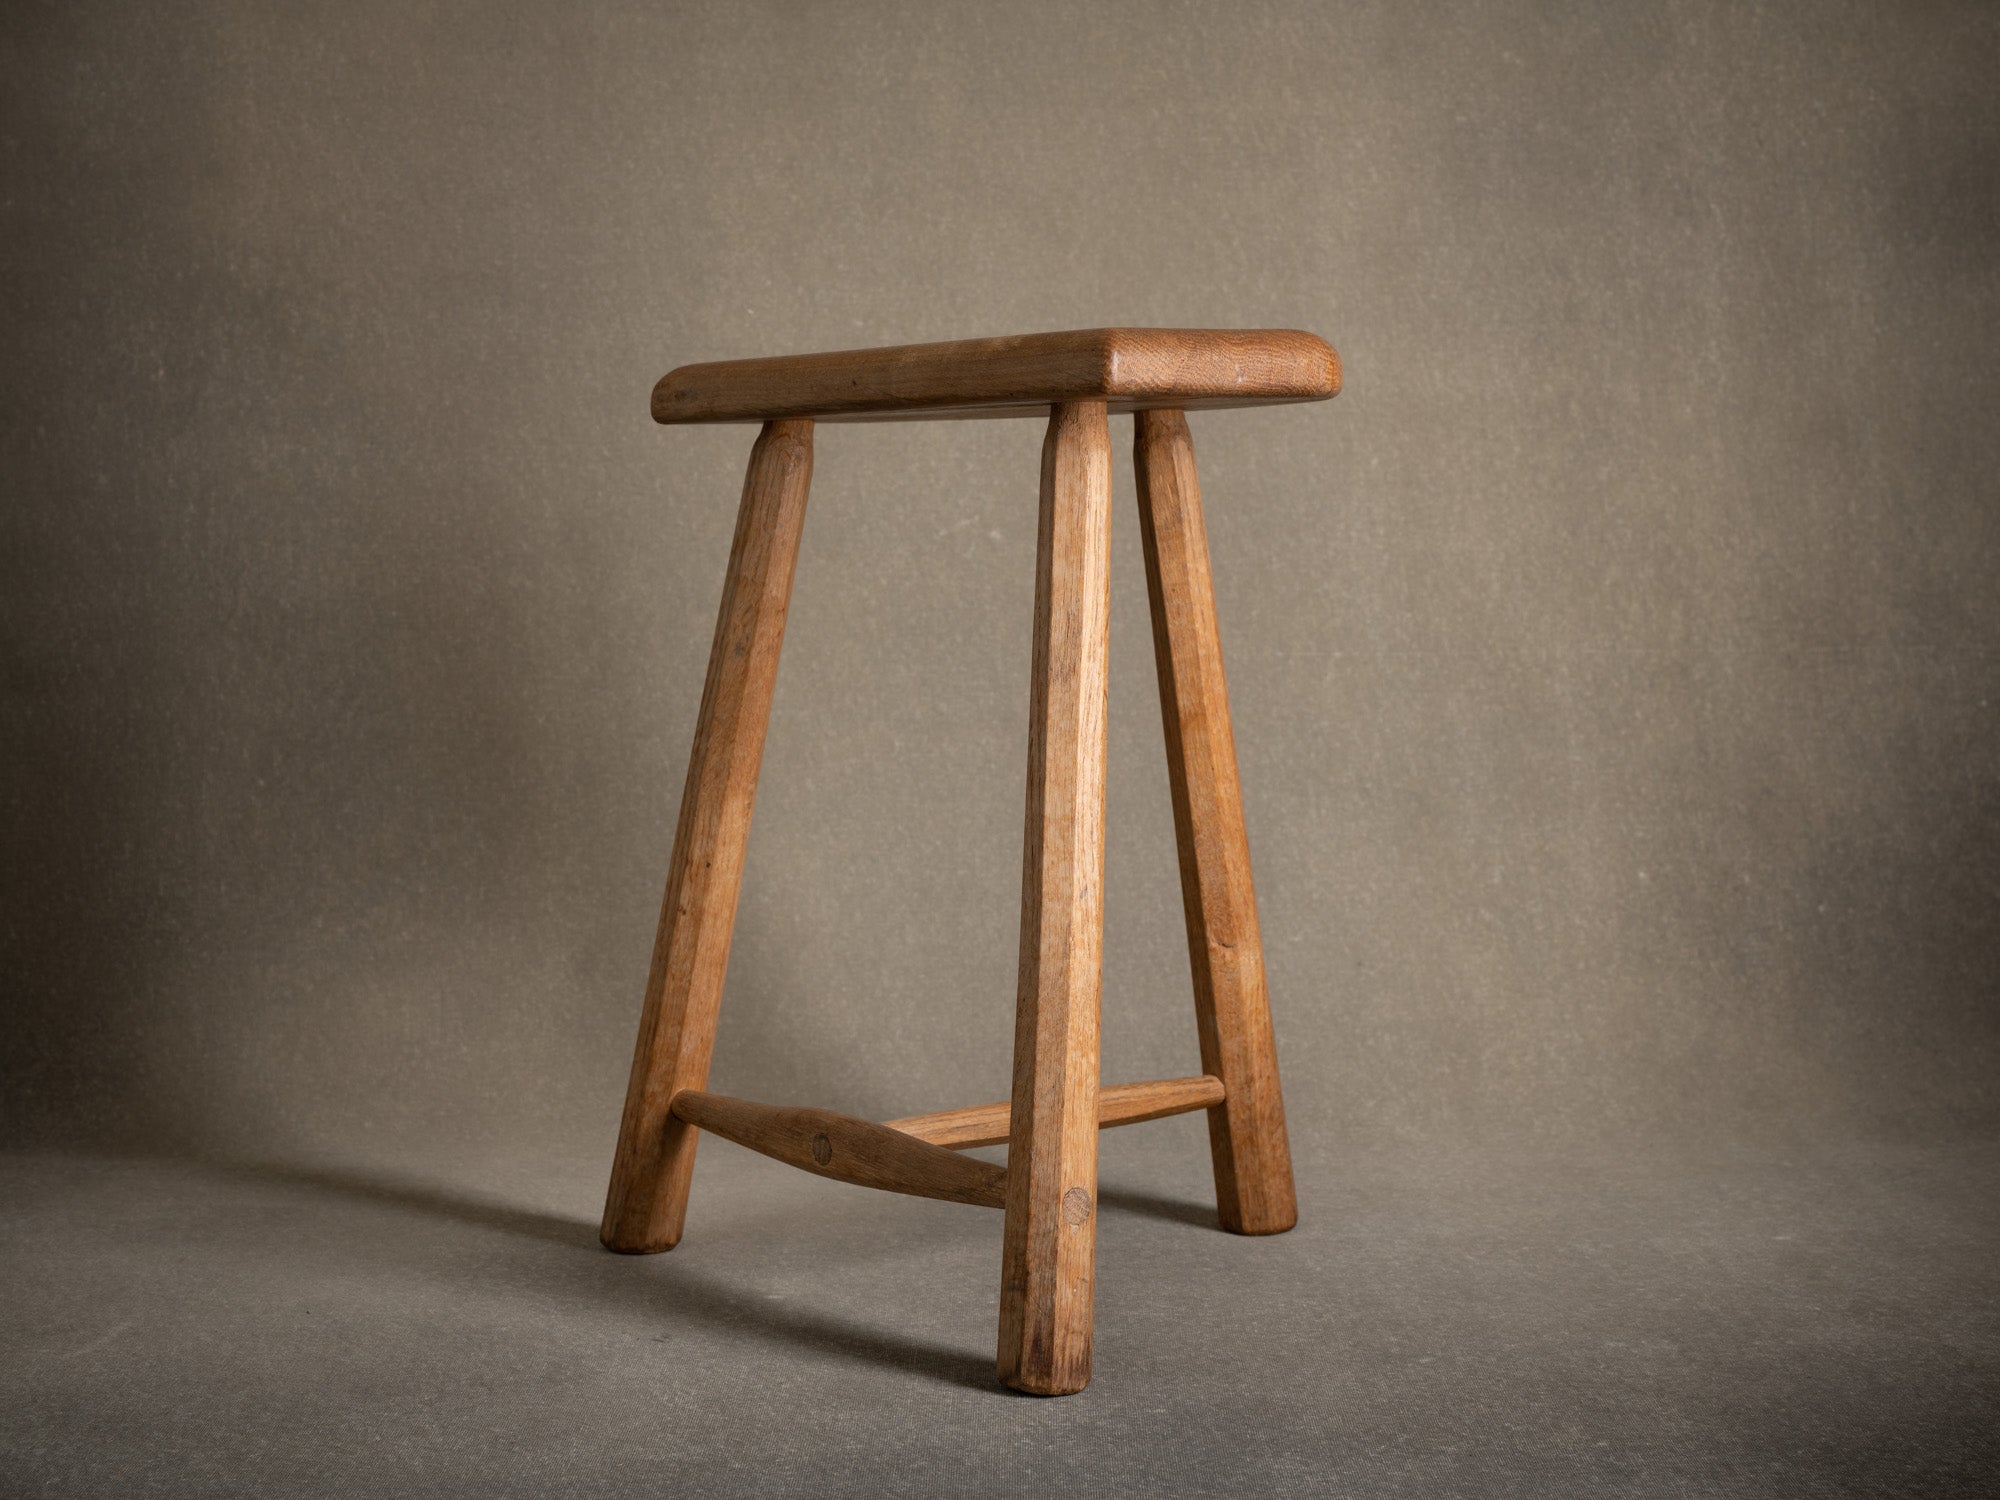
[(1770, 1321)]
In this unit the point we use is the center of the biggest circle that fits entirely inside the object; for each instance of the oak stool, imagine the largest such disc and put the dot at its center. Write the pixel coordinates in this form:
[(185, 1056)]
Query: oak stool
[(1048, 1188)]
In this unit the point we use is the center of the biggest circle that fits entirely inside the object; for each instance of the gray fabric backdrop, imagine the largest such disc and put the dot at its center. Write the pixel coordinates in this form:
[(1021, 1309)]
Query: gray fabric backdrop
[(1613, 664)]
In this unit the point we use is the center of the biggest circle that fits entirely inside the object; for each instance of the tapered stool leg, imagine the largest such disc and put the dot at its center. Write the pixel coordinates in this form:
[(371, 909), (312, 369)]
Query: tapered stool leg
[(1049, 1250), (1253, 1160), (647, 1202)]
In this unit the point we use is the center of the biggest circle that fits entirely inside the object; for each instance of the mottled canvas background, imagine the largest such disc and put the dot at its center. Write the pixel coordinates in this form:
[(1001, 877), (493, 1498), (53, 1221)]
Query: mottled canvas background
[(1613, 663)]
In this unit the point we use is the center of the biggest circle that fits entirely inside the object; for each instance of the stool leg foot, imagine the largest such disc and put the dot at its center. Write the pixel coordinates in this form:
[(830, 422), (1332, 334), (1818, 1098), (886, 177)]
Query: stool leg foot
[(647, 1202), (1048, 1257), (1253, 1161)]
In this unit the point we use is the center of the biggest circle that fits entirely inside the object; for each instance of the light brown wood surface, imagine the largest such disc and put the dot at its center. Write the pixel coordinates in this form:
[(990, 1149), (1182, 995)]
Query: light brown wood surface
[(1024, 375), (1253, 1163), (1049, 1247), (848, 1149), (1119, 1104), (1048, 1188), (647, 1202)]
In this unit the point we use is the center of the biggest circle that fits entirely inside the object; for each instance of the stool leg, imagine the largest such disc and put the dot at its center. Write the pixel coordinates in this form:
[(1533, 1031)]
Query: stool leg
[(1048, 1258), (647, 1201), (1246, 1132)]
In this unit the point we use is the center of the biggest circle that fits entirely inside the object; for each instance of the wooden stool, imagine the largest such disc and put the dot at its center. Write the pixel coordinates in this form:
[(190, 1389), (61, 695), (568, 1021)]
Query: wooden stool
[(1048, 1188)]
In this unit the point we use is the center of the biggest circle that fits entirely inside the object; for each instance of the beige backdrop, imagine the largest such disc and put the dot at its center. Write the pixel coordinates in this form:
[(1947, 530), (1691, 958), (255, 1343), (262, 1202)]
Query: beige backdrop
[(1613, 664)]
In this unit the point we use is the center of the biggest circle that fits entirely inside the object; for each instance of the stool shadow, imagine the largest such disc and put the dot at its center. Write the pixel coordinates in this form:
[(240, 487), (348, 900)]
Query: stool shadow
[(1153, 1206), (435, 1202), (687, 1296), (822, 1334)]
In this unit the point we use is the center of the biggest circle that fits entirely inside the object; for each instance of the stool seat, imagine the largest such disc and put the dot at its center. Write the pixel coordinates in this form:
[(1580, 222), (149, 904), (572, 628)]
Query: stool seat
[(1131, 369)]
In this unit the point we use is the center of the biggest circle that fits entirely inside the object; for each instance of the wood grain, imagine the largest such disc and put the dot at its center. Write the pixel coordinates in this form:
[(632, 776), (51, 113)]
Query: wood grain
[(1048, 1252), (845, 1148), (1128, 368), (1253, 1163), (1120, 1104), (647, 1202)]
